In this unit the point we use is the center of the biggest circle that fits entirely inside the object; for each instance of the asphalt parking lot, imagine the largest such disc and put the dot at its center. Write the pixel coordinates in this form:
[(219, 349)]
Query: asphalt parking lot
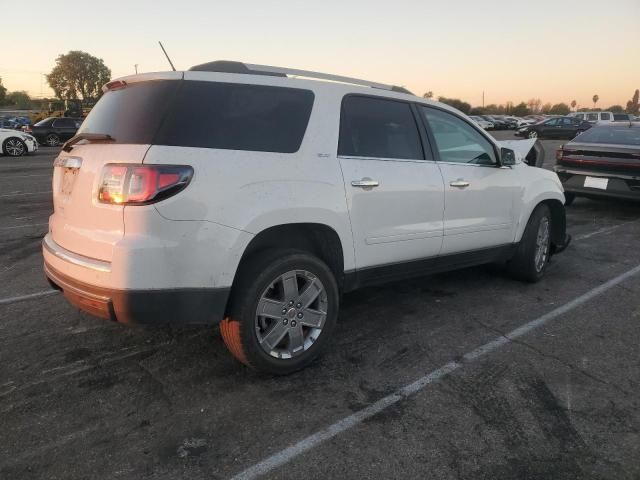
[(465, 375)]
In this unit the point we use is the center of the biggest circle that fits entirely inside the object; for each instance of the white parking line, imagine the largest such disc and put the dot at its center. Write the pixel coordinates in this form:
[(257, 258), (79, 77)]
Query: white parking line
[(22, 298), (17, 194), (284, 456), (604, 230), (24, 226)]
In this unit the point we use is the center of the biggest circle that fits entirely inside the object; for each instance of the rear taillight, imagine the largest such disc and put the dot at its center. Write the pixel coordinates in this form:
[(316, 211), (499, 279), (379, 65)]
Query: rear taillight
[(563, 152), (124, 184)]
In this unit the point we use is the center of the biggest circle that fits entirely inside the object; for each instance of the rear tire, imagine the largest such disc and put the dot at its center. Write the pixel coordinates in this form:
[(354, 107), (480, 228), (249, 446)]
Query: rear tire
[(295, 330), (532, 256)]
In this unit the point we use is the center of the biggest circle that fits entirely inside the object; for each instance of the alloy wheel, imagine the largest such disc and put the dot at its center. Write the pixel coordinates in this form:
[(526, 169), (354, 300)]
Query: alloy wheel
[(52, 140), (14, 147), (533, 134), (291, 314)]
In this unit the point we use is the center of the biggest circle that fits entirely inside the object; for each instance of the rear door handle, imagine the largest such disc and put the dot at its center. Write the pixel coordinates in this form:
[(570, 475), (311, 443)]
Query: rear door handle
[(459, 183), (365, 183)]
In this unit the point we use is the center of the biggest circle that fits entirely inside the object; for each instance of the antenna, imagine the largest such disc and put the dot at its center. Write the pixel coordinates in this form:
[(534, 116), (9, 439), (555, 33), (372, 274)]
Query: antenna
[(166, 55)]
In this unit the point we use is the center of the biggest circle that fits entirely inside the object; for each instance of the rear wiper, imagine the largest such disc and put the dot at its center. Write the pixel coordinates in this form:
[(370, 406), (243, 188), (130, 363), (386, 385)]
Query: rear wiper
[(86, 136)]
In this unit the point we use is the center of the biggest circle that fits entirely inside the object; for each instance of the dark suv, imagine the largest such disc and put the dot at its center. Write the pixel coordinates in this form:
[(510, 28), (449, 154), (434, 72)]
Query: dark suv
[(55, 130)]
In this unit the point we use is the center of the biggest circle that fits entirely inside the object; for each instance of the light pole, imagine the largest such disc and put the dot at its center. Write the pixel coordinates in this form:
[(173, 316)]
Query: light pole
[(136, 67)]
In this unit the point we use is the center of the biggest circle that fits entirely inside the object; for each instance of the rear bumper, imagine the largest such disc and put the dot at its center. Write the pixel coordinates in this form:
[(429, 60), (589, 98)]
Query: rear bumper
[(619, 186), (188, 306)]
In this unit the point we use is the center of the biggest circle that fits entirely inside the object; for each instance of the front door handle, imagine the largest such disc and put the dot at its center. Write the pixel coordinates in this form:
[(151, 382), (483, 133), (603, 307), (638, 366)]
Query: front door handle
[(459, 183), (365, 183)]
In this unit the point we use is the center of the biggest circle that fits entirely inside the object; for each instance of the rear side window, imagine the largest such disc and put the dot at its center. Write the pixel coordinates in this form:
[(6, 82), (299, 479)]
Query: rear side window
[(605, 116), (620, 116), (131, 114), (237, 117), (379, 128), (592, 117)]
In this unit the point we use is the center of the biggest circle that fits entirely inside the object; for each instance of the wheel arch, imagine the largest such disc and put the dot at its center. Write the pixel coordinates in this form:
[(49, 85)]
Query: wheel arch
[(558, 221), (316, 238)]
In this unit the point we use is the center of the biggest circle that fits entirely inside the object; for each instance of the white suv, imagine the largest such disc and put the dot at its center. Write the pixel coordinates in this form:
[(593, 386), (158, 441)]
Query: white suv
[(232, 191)]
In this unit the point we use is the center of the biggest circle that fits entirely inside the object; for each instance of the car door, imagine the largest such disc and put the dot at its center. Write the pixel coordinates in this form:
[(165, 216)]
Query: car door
[(549, 128), (479, 194), (394, 189), (65, 128), (566, 128)]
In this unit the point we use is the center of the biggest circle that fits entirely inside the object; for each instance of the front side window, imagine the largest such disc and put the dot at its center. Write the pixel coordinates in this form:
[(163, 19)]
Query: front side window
[(64, 123), (379, 128), (457, 141)]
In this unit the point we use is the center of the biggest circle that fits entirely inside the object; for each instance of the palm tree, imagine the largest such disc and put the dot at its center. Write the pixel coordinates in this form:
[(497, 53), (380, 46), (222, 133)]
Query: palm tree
[(595, 100), (573, 104)]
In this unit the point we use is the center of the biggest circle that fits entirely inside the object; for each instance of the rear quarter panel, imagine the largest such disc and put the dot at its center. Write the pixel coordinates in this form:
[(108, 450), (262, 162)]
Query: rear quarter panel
[(252, 191)]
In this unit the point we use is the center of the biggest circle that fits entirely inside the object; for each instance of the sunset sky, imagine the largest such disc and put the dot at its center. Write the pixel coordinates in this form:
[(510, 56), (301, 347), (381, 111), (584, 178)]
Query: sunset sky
[(513, 50)]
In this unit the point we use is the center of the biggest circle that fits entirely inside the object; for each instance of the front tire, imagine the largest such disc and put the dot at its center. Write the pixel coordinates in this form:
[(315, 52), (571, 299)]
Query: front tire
[(14, 147), (283, 310), (52, 140), (533, 134), (532, 256)]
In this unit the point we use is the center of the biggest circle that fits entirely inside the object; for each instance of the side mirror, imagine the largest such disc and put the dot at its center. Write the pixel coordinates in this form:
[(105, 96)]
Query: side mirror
[(507, 157)]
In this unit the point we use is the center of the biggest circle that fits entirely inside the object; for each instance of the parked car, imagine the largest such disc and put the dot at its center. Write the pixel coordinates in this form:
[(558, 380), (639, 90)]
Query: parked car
[(603, 161), (561, 127), (8, 124), (262, 198), (482, 122), (53, 131), (498, 124), (14, 143), (593, 117)]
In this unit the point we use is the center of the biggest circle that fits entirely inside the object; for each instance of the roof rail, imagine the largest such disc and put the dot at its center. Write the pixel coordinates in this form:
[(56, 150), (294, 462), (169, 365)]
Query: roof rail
[(225, 66)]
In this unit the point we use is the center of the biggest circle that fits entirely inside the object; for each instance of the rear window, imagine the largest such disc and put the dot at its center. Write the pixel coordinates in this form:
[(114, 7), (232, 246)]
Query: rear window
[(608, 135), (237, 117), (132, 114)]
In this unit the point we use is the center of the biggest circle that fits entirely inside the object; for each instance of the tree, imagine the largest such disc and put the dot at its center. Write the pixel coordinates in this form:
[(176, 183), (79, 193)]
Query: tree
[(456, 103), (595, 99), (559, 109), (428, 94), (546, 108), (534, 105), (20, 100), (521, 110), (573, 104), (3, 92), (78, 75), (616, 109), (633, 107)]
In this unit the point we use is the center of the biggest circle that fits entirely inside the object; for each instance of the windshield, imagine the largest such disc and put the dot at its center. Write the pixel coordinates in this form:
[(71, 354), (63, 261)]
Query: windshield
[(615, 136)]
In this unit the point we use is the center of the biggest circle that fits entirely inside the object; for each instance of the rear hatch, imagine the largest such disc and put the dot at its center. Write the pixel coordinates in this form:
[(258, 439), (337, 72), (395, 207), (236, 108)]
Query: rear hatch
[(130, 113)]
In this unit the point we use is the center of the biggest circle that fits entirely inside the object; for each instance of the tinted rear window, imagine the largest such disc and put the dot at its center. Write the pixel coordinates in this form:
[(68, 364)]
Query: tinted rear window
[(132, 114), (607, 135), (237, 117)]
